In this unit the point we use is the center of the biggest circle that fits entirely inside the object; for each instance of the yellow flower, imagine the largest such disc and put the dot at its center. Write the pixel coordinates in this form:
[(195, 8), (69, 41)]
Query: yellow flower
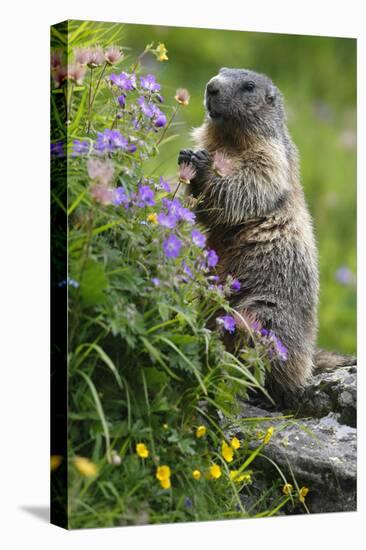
[(201, 431), (161, 52), (142, 450), (235, 443), (153, 218), (268, 435), (227, 452), (163, 475), (235, 476), (162, 472), (85, 466), (196, 474), (182, 96), (215, 471), (55, 462), (165, 483), (302, 493), (287, 489), (165, 426)]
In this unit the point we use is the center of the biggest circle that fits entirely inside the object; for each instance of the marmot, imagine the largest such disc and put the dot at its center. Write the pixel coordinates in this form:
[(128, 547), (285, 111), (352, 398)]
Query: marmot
[(257, 218)]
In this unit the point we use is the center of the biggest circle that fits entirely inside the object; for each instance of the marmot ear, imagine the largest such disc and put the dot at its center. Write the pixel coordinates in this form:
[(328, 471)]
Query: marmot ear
[(271, 95), (223, 69)]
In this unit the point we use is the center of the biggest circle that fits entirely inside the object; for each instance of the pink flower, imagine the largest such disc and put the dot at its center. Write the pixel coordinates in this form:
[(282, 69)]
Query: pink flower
[(222, 164), (102, 193), (186, 172), (112, 55), (76, 72), (82, 55), (99, 171), (56, 58), (96, 57), (59, 74), (182, 96)]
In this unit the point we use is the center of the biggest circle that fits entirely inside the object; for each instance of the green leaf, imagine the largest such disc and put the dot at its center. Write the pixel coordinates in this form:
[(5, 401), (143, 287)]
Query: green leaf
[(93, 284)]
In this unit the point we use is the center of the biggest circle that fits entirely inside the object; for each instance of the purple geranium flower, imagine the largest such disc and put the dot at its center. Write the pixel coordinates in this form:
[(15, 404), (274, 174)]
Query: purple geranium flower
[(147, 108), (198, 238), (79, 147), (227, 322), (146, 196), (131, 148), (187, 215), (110, 140), (159, 118), (187, 270), (120, 197), (172, 246), (57, 149), (167, 220), (164, 184), (124, 81), (121, 100), (212, 258), (276, 349), (155, 281), (149, 83), (235, 285)]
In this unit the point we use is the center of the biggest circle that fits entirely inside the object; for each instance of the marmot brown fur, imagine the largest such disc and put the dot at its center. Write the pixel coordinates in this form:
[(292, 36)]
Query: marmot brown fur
[(257, 218)]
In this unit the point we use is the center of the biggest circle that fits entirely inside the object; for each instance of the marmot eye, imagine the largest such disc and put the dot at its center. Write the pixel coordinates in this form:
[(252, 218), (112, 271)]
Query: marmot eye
[(248, 86)]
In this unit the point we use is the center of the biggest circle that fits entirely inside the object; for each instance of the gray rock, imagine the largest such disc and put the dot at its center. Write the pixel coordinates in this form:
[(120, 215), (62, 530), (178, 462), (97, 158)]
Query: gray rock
[(320, 451), (333, 390)]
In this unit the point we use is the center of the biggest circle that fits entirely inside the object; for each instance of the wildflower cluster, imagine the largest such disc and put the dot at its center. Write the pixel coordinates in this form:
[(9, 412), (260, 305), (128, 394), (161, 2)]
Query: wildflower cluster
[(147, 372)]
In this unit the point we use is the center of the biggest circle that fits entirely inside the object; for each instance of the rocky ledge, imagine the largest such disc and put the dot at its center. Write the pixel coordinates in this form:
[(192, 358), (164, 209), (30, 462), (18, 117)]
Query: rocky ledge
[(314, 442)]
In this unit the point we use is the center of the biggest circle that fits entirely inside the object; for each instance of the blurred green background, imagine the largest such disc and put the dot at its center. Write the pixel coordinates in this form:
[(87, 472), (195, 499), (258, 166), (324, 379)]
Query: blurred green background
[(317, 76)]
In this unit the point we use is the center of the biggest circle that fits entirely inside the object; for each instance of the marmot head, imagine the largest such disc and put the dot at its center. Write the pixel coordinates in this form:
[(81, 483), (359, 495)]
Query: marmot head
[(245, 100)]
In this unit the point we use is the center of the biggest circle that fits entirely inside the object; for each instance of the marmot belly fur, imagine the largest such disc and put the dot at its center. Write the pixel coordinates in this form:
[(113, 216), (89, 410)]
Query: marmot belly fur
[(257, 218)]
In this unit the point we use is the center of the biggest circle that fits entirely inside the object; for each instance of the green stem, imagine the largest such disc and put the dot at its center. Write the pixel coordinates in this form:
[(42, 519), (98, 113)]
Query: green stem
[(92, 96), (89, 99), (167, 126)]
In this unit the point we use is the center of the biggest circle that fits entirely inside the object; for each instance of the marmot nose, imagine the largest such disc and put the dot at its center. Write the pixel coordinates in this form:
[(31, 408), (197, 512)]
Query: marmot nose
[(213, 88)]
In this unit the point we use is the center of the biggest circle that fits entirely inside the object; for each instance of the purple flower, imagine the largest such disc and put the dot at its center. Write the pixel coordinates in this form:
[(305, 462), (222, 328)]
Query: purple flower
[(276, 349), (187, 215), (227, 322), (155, 281), (172, 246), (159, 98), (173, 206), (198, 238), (187, 271), (344, 276), (57, 149), (124, 81), (79, 147), (212, 258), (167, 220), (120, 197), (131, 148), (235, 285), (160, 118), (121, 100), (110, 140), (281, 350), (146, 196), (164, 184), (149, 83), (148, 109)]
